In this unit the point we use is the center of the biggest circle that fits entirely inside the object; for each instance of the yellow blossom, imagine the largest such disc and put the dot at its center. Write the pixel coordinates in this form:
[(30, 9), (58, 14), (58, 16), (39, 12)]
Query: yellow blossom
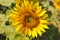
[(57, 4), (29, 18)]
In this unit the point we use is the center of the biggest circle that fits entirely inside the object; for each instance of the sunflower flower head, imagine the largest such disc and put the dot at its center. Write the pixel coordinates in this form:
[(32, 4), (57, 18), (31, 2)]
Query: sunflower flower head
[(57, 4), (19, 1), (29, 18)]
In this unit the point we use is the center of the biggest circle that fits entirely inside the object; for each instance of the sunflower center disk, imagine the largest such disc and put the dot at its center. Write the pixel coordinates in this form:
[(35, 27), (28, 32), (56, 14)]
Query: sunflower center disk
[(30, 21)]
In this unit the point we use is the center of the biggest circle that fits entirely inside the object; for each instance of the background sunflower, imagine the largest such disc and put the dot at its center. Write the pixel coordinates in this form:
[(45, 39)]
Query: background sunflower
[(57, 4)]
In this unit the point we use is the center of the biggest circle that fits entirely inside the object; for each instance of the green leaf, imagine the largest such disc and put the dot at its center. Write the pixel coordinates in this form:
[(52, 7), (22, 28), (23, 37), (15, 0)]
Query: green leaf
[(51, 32)]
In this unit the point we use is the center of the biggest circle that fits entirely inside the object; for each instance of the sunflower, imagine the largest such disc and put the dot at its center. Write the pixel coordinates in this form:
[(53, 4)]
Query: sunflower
[(29, 19), (57, 4), (19, 1)]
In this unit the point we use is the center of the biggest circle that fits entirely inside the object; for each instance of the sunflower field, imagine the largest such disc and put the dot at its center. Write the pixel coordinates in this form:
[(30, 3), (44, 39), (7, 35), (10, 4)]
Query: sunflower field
[(29, 19)]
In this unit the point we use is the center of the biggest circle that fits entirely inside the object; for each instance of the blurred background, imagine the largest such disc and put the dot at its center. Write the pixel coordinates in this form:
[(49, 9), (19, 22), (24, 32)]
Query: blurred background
[(7, 31)]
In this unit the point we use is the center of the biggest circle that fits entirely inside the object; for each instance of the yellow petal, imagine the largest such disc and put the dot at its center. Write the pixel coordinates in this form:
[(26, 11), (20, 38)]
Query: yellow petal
[(35, 32), (14, 12), (30, 32), (45, 26), (15, 9), (16, 23), (26, 3), (42, 13), (36, 5), (21, 30), (39, 31), (43, 21), (25, 31), (38, 10), (31, 3), (17, 6), (42, 29), (19, 26), (17, 1), (45, 16)]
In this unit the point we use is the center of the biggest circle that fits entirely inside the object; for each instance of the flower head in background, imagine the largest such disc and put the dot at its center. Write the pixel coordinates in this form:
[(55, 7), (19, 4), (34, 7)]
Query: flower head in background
[(29, 18), (57, 4)]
